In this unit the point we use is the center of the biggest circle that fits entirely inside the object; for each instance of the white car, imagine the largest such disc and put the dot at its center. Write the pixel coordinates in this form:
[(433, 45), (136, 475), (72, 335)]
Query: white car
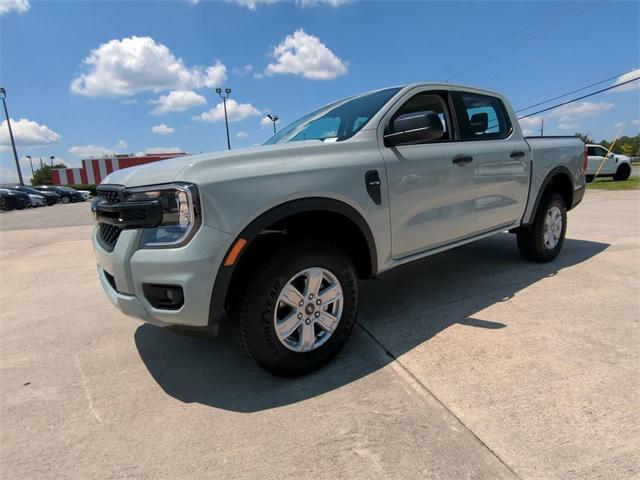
[(86, 194), (37, 200), (613, 165)]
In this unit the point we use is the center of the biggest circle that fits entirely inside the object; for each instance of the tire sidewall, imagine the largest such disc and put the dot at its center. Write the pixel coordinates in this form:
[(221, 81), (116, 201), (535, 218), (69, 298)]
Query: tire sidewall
[(260, 335)]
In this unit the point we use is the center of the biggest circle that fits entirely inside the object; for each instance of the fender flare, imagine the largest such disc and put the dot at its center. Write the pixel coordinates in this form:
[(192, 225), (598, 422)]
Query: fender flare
[(545, 183), (275, 214)]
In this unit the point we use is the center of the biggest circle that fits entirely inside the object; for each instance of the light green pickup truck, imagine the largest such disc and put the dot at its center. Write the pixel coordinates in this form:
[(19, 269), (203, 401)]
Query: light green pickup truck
[(276, 238)]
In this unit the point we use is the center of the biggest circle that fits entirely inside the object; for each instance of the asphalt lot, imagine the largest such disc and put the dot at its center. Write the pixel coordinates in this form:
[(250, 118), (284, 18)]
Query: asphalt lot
[(469, 364)]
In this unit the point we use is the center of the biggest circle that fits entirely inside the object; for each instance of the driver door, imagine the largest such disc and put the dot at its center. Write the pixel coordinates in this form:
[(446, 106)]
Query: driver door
[(431, 192)]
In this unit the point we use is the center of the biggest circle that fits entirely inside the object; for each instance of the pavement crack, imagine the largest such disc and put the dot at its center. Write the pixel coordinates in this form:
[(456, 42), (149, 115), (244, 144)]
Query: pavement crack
[(435, 397), (85, 387)]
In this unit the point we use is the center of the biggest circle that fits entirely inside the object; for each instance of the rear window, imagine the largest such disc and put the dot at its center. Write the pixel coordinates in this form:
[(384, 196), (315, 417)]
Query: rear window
[(483, 117)]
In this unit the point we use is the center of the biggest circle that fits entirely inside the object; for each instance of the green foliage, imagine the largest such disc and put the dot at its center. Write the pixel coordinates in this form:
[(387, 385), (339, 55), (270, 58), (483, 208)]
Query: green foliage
[(629, 146), (584, 137), (91, 188), (42, 176)]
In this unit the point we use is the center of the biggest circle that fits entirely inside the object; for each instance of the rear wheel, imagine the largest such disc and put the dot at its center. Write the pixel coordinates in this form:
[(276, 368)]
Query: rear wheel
[(298, 308), (66, 199), (622, 173), (5, 204), (542, 240)]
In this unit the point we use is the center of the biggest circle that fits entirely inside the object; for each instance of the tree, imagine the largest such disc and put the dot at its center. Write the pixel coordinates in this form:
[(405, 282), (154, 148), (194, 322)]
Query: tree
[(42, 176), (584, 137), (627, 149)]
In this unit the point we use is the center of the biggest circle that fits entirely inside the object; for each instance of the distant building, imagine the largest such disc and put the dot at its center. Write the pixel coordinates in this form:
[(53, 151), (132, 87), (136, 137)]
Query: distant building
[(93, 170)]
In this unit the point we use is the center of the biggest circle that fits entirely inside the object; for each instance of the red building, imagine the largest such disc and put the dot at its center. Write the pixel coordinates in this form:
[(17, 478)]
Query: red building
[(93, 170)]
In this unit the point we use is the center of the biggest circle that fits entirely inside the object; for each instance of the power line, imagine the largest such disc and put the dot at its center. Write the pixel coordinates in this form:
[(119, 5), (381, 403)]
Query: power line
[(579, 98), (571, 92)]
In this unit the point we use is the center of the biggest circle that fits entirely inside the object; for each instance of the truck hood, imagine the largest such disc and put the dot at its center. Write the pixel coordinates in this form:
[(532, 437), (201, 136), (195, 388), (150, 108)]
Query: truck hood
[(186, 168)]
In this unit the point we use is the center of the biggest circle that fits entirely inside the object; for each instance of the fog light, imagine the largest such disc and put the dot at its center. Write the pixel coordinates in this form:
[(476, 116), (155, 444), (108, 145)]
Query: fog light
[(164, 297)]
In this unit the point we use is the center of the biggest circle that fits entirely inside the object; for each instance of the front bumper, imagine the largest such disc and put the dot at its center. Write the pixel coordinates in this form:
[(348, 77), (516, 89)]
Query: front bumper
[(192, 266)]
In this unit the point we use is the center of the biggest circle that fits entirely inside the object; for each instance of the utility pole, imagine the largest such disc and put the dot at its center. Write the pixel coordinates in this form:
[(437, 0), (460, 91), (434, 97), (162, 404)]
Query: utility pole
[(3, 96), (226, 120), (31, 163), (542, 128), (274, 119), (51, 158)]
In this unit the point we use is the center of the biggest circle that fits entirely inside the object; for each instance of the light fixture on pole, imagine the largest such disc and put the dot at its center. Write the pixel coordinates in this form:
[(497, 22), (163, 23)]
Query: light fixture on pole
[(274, 119), (51, 158), (3, 96), (227, 91), (31, 163)]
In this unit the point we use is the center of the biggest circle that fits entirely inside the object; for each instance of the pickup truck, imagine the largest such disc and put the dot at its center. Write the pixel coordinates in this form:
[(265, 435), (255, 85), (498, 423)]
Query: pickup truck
[(613, 165), (274, 239)]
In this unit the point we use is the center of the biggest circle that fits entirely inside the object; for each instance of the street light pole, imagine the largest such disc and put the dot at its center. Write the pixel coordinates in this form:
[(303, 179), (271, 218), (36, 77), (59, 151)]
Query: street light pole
[(31, 163), (274, 119), (51, 158), (3, 95), (226, 119)]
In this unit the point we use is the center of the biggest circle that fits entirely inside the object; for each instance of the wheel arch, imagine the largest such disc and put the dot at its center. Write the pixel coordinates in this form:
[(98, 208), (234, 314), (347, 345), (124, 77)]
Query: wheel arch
[(559, 180), (278, 216)]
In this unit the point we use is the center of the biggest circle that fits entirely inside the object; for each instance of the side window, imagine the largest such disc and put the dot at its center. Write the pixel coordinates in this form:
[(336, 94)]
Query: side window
[(321, 129), (429, 102), (482, 117), (591, 151), (601, 152)]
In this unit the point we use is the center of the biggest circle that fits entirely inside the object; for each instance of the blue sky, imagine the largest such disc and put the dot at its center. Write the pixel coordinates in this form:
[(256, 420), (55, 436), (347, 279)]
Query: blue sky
[(90, 78)]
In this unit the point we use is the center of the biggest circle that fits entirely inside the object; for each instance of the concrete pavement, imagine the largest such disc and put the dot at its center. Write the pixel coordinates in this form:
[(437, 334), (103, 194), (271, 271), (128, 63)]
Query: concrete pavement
[(468, 364)]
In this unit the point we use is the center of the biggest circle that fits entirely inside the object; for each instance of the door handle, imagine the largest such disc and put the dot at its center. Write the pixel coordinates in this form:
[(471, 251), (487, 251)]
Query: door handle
[(517, 154), (462, 159)]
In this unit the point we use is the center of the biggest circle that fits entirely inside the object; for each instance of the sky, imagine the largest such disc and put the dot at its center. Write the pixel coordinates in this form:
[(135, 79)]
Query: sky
[(90, 78)]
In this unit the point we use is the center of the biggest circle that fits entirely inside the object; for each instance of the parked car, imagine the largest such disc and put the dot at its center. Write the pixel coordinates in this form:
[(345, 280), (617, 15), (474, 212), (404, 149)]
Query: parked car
[(13, 199), (277, 237), (79, 195), (66, 195), (37, 200), (51, 198), (86, 194), (613, 164)]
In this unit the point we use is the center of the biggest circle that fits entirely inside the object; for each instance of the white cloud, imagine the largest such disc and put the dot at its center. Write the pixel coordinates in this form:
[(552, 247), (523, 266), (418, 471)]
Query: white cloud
[(635, 122), (530, 125), (27, 133), (138, 64), (629, 86), (242, 135), (122, 144), (152, 150), (618, 125), (265, 121), (19, 6), (312, 3), (306, 55), (587, 109), (243, 71), (177, 101), (235, 112), (258, 76), (162, 129), (130, 101), (568, 126), (251, 4), (86, 151)]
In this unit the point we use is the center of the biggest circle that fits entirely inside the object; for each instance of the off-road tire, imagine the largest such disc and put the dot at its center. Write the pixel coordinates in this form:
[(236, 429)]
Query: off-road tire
[(622, 173), (254, 311), (531, 241)]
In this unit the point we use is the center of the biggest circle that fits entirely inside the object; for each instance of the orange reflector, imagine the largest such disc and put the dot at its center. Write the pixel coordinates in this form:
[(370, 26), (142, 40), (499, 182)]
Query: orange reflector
[(235, 252)]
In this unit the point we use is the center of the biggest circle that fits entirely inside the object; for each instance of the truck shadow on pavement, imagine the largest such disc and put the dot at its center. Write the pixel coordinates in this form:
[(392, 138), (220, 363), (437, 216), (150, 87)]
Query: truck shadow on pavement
[(399, 311)]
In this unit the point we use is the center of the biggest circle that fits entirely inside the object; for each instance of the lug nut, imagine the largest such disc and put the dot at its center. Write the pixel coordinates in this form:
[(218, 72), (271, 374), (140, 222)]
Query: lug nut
[(310, 296), (318, 302), (299, 315), (301, 303), (317, 314), (307, 321)]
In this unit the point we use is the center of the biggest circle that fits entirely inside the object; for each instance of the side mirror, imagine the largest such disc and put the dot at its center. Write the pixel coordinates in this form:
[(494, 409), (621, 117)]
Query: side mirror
[(611, 155), (412, 128)]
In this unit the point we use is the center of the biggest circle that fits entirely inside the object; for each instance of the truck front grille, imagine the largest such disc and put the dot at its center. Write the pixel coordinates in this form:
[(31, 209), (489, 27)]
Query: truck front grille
[(108, 234)]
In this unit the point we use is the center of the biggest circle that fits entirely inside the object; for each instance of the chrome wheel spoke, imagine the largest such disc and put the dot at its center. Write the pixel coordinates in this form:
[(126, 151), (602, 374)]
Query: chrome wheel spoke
[(307, 337), (289, 324), (314, 280), (327, 322), (330, 294), (292, 296)]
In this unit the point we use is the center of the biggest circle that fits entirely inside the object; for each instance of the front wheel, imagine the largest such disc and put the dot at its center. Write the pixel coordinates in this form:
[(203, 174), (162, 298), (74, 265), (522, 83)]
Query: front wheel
[(66, 200), (299, 308), (622, 173), (542, 240)]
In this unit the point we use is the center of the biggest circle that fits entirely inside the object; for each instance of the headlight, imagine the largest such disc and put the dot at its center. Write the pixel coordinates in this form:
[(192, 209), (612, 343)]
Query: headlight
[(181, 214)]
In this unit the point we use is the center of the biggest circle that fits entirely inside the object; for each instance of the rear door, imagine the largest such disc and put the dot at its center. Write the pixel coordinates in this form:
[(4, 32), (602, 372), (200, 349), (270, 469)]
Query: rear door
[(432, 198), (501, 159), (598, 156)]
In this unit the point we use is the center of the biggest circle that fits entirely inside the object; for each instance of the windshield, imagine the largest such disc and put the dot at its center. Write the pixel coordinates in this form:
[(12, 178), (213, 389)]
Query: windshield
[(337, 121)]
